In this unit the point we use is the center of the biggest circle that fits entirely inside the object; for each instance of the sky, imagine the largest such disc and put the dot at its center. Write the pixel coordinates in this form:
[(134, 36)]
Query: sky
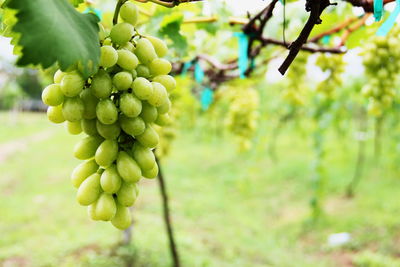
[(241, 7)]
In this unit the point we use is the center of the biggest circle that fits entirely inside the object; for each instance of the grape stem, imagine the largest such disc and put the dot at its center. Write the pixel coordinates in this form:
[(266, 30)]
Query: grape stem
[(116, 12)]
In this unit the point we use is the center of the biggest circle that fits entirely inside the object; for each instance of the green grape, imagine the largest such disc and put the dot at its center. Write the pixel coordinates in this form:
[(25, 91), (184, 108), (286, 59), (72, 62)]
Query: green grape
[(90, 103), (86, 148), (149, 112), (159, 96), (108, 56), (143, 156), (242, 115), (163, 120), (121, 33), (160, 66), (101, 86), (149, 138), (122, 219), (127, 60), (102, 32), (89, 191), (52, 95), (142, 88), (128, 46), (132, 126), (106, 42), (55, 115), (73, 109), (164, 108), (151, 173), (142, 71), (92, 211), (166, 80), (110, 180), (145, 51), (129, 13), (72, 84), (129, 105), (58, 76), (159, 46), (83, 171), (105, 207), (375, 108), (122, 80), (108, 131), (89, 126), (106, 111), (127, 168), (134, 74), (106, 153), (74, 128), (382, 77), (127, 194)]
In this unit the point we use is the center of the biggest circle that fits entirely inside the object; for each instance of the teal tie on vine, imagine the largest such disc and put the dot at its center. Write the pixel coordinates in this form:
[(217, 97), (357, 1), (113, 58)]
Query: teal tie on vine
[(93, 10), (186, 67), (243, 60), (326, 39), (206, 98), (252, 63), (198, 73), (378, 9), (385, 28)]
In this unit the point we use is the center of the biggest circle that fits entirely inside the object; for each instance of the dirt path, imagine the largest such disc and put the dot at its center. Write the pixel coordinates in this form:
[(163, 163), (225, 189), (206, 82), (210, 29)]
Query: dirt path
[(9, 148)]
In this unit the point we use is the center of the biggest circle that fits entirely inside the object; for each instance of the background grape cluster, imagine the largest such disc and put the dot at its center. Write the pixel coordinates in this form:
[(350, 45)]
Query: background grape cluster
[(117, 108), (381, 60)]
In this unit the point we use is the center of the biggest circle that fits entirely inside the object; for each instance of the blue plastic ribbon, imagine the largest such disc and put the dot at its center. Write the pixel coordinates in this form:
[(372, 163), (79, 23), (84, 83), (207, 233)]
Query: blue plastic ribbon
[(326, 39), (378, 9), (252, 63), (186, 67), (198, 73), (206, 98), (93, 10), (385, 28), (243, 60)]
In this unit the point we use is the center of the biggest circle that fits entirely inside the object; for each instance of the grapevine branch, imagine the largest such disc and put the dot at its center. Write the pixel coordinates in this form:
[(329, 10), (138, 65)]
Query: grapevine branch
[(356, 26), (367, 5), (315, 7), (168, 3), (336, 29), (167, 216)]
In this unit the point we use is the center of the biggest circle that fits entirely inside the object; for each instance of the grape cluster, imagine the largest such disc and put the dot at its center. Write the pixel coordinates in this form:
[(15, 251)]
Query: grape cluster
[(335, 66), (117, 109), (381, 58), (242, 115), (293, 91)]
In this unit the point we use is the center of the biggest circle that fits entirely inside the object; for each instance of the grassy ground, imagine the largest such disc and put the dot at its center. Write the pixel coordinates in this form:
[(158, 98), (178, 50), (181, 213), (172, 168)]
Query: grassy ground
[(229, 209)]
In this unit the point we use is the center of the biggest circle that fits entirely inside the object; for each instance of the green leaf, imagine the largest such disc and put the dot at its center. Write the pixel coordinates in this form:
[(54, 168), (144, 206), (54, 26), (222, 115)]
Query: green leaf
[(51, 31), (76, 2), (170, 26)]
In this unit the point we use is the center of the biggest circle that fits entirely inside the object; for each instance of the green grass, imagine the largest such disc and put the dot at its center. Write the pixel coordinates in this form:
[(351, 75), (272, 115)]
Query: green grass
[(229, 209)]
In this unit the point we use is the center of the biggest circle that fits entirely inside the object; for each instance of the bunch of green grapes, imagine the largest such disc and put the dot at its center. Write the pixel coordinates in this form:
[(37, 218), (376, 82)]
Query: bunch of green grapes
[(293, 92), (243, 115), (381, 58), (335, 66), (117, 109)]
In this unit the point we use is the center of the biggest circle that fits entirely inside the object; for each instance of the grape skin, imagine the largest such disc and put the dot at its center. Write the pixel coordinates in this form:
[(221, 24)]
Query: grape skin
[(52, 95), (129, 13)]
